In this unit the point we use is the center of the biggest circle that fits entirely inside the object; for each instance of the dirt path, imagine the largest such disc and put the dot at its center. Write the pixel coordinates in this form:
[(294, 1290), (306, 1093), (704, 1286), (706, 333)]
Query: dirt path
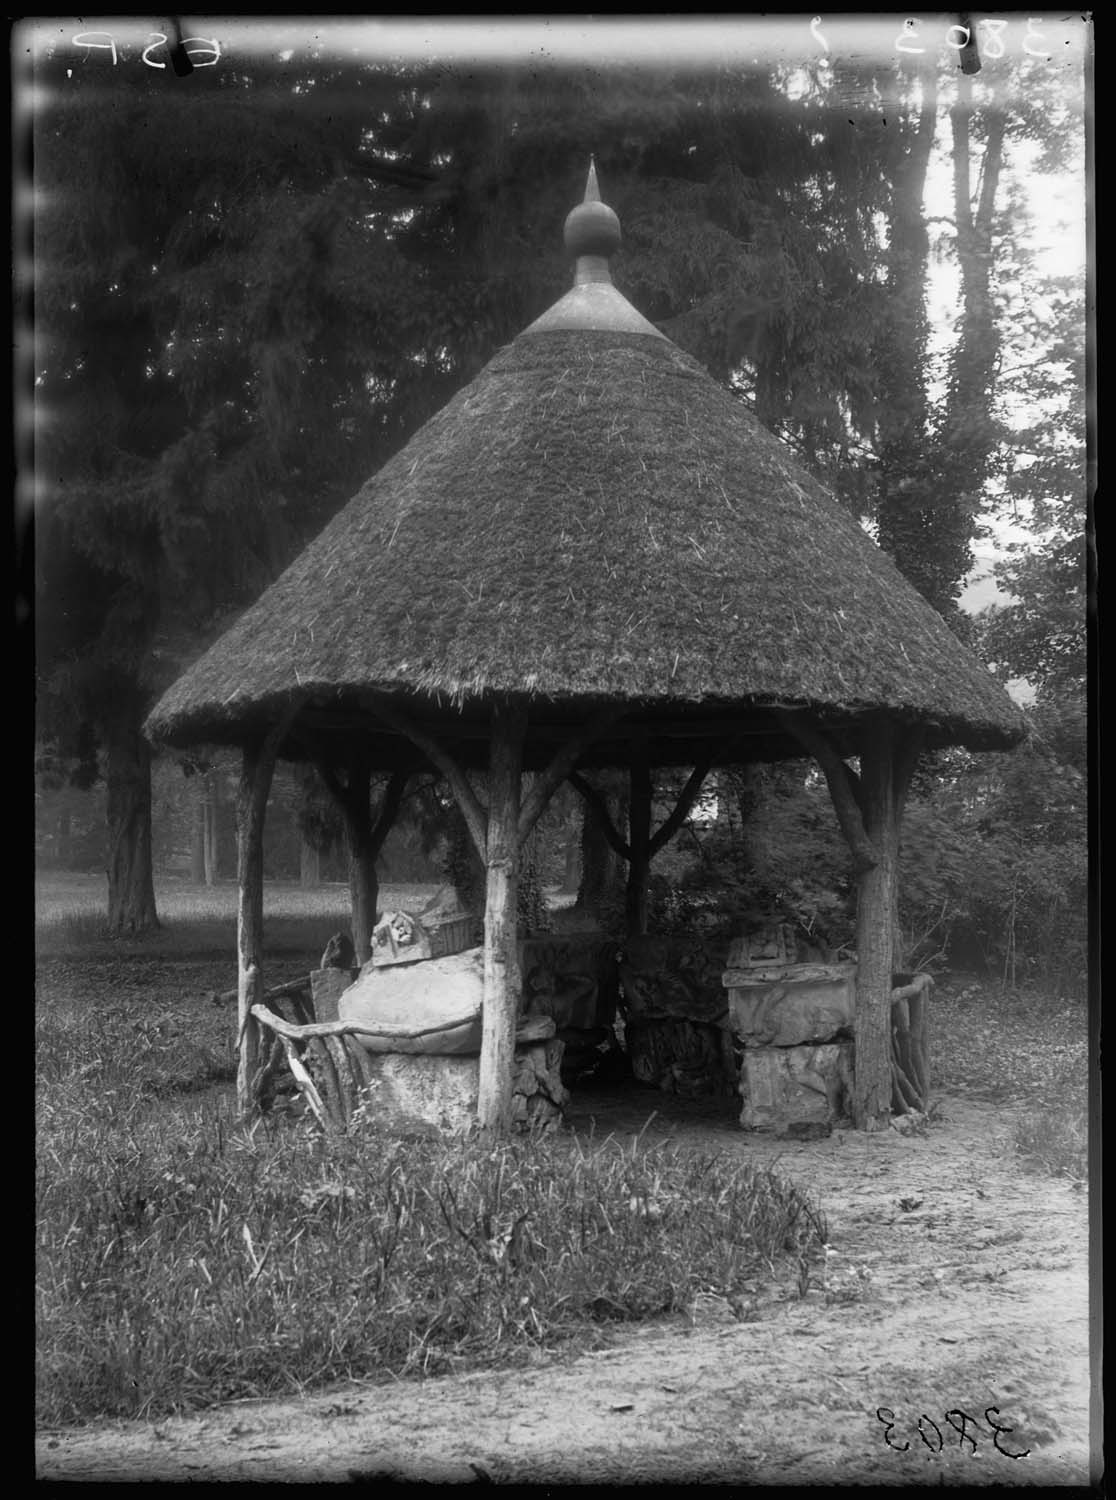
[(975, 1299)]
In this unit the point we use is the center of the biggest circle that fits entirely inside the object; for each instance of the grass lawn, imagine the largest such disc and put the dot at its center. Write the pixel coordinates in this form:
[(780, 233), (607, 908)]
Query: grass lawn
[(199, 919)]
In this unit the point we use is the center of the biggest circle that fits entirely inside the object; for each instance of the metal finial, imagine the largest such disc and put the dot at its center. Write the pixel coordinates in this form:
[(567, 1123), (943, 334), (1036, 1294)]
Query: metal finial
[(592, 232), (592, 304)]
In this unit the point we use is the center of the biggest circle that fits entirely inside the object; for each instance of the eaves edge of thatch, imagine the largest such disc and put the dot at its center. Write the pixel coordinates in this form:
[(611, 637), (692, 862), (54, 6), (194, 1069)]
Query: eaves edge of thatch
[(240, 720)]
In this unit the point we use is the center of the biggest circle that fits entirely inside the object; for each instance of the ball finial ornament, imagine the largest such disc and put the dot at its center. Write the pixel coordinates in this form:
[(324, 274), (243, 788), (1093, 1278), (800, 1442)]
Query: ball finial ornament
[(592, 228)]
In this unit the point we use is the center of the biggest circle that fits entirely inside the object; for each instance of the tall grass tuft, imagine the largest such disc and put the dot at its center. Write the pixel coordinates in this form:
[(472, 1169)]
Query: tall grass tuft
[(1054, 1138), (184, 1260)]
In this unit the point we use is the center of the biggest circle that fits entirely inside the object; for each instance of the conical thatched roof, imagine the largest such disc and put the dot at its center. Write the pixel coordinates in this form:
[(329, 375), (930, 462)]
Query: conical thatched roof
[(593, 518)]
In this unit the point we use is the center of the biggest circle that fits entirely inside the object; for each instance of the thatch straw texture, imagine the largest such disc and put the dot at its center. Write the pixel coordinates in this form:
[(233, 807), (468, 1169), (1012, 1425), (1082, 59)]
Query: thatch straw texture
[(594, 517)]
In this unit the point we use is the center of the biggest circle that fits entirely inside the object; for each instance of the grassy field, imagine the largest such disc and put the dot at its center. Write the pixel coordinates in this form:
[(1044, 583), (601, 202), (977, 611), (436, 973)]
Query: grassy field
[(184, 1259), (199, 919)]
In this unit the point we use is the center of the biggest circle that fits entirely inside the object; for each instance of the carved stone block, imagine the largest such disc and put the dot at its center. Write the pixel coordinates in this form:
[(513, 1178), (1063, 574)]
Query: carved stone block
[(785, 1089), (417, 1091), (791, 1005), (441, 999), (398, 938), (327, 986), (432, 1093)]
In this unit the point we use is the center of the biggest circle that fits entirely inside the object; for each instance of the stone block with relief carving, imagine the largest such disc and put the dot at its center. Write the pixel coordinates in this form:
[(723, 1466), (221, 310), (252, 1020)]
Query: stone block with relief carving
[(398, 938), (789, 1090), (791, 1004)]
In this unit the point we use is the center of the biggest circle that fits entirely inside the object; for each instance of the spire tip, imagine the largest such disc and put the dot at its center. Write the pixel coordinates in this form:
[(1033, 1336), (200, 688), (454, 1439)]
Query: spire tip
[(592, 191)]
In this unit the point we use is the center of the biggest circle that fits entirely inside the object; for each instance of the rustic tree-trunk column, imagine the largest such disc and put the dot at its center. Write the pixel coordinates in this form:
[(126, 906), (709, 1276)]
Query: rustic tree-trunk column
[(602, 859), (869, 808), (877, 892), (257, 767), (364, 895), (501, 954), (197, 843), (640, 848), (639, 842), (212, 797)]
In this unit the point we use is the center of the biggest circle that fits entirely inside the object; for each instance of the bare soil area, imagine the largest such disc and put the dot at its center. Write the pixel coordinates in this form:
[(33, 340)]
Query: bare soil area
[(955, 1298)]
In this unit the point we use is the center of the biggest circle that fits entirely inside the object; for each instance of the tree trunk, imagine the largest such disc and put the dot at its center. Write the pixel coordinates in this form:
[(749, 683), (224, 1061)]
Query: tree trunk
[(309, 865), (502, 983), (257, 768), (364, 899), (869, 809), (62, 847), (603, 870), (639, 842), (910, 507), (886, 765), (197, 841), (212, 800), (970, 431), (131, 887), (875, 938), (572, 876)]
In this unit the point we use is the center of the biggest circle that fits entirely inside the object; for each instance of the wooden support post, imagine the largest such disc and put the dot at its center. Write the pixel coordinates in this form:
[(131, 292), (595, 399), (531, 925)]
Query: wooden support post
[(641, 846), (501, 953), (639, 841), (597, 807), (467, 800), (257, 768), (875, 932), (684, 806), (364, 882), (869, 809)]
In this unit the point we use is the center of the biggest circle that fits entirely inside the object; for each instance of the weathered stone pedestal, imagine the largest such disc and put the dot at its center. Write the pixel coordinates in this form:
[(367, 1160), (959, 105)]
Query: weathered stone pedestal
[(423, 1040), (795, 1023), (416, 1091), (676, 1028), (792, 1004), (792, 1090)]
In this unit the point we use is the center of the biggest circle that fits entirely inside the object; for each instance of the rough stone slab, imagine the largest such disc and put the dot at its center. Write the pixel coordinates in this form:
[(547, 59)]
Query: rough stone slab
[(776, 944), (432, 1093), (810, 1004), (419, 1091), (327, 986), (764, 973), (785, 1088), (442, 997)]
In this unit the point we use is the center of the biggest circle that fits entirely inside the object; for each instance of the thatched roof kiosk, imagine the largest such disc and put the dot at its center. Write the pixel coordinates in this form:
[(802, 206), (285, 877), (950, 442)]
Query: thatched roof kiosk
[(593, 555)]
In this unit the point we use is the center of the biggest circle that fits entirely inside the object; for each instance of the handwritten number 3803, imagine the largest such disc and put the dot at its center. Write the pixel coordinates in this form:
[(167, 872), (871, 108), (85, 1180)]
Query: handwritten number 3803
[(958, 1420), (990, 29)]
